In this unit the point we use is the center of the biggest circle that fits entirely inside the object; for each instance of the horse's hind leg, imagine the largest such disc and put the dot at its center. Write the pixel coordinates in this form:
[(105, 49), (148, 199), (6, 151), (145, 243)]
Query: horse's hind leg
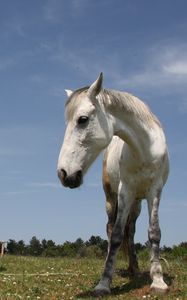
[(158, 285), (129, 232)]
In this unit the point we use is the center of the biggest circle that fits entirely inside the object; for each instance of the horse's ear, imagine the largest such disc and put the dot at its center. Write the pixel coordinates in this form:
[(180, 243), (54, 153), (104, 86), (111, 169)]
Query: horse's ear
[(96, 87), (69, 92)]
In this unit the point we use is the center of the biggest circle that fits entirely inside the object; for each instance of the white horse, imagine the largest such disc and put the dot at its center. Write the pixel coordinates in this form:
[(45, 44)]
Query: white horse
[(136, 167)]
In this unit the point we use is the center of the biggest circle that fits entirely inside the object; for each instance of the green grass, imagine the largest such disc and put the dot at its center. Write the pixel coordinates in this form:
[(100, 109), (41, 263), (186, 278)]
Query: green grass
[(67, 278)]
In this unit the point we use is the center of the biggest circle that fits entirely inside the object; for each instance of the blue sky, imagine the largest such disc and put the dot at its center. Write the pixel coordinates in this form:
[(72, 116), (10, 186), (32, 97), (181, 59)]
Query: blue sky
[(47, 46)]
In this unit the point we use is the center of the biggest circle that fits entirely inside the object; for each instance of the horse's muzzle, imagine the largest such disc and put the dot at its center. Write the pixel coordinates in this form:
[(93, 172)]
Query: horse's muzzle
[(72, 181)]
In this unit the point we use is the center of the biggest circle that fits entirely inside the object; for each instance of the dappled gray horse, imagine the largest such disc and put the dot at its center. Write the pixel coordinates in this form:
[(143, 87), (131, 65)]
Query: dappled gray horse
[(135, 167)]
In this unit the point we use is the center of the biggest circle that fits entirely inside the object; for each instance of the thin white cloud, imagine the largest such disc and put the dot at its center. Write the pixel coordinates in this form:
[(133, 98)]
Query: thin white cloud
[(16, 27), (94, 184), (177, 67), (53, 10), (15, 193), (169, 204), (12, 152), (79, 5), (166, 66), (161, 67), (33, 188), (12, 27), (52, 185)]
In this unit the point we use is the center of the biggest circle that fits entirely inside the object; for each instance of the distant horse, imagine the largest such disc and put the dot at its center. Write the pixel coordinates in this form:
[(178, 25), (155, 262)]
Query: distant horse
[(135, 167)]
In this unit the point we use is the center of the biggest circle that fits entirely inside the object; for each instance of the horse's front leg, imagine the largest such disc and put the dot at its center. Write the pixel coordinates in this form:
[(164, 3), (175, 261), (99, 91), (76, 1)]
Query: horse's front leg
[(158, 285), (130, 229), (125, 200)]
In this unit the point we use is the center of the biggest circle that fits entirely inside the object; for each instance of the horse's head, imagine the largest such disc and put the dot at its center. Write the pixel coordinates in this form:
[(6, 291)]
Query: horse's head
[(88, 132)]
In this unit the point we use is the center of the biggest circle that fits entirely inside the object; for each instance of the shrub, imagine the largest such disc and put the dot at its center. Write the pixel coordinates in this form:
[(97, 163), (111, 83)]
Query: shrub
[(179, 252), (93, 251), (144, 254)]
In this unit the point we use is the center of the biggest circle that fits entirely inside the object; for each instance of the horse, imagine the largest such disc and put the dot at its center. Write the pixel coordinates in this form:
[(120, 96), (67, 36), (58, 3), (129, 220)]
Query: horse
[(135, 167)]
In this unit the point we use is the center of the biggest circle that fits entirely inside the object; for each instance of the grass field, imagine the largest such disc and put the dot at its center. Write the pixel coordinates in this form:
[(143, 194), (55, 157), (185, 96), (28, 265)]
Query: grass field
[(67, 278)]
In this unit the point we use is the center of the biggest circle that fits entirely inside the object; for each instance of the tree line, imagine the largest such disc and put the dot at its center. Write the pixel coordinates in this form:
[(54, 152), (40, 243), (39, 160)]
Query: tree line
[(94, 247)]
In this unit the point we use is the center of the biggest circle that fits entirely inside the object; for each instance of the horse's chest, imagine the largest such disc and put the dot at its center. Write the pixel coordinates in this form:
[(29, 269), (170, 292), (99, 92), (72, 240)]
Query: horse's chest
[(140, 178)]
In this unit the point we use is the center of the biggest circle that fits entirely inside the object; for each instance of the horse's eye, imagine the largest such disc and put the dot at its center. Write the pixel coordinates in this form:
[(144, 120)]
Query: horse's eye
[(82, 120)]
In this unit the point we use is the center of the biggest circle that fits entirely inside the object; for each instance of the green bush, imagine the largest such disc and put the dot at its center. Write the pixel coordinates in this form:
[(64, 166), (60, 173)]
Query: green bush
[(144, 254), (179, 252), (93, 251)]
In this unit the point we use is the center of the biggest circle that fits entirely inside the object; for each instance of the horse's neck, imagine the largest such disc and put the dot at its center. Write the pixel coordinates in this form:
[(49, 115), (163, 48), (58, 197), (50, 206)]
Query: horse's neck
[(146, 139), (135, 136)]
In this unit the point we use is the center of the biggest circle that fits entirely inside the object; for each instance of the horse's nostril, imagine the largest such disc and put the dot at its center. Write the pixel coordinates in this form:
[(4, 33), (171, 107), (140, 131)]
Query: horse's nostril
[(62, 174), (79, 174)]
